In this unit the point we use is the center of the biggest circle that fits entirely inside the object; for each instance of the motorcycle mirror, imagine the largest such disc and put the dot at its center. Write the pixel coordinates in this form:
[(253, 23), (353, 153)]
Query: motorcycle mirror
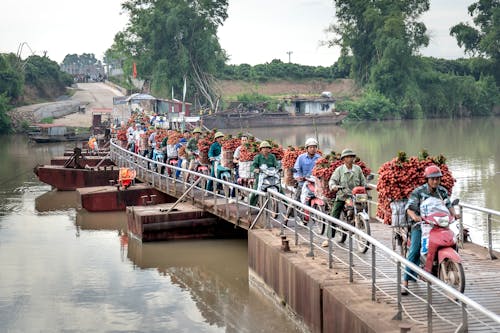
[(455, 202)]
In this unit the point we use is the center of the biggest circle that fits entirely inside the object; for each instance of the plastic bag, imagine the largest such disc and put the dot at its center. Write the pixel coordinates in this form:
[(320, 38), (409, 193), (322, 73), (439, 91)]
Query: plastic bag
[(398, 217)]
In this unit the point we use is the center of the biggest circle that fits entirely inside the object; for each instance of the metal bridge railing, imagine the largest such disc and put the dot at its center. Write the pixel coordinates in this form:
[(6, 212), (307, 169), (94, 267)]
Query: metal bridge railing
[(434, 305)]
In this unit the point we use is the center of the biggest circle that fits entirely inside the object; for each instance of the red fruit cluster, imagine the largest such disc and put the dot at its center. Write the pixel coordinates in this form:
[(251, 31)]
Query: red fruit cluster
[(400, 176), (290, 155)]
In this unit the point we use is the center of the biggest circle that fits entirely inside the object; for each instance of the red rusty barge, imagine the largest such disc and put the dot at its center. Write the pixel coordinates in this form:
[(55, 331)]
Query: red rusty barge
[(69, 179)]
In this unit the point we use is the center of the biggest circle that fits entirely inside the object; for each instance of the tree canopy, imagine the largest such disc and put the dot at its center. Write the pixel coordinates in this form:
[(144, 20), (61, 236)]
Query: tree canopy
[(170, 40), (482, 40)]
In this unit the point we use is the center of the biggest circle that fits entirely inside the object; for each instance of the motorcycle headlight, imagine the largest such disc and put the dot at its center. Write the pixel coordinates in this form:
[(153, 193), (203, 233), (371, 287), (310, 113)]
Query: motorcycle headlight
[(443, 221)]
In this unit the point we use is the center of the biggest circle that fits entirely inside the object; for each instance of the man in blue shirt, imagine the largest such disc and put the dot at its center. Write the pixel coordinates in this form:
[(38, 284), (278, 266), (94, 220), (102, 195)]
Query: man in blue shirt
[(303, 168)]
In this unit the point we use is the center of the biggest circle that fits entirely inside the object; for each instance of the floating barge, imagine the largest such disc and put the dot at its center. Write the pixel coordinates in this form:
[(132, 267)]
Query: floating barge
[(69, 179), (182, 221), (90, 161), (236, 119), (45, 133), (113, 198)]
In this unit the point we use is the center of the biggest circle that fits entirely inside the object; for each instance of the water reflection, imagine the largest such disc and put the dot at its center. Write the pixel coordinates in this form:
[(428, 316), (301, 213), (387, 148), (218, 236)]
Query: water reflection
[(57, 201), (101, 221), (211, 271)]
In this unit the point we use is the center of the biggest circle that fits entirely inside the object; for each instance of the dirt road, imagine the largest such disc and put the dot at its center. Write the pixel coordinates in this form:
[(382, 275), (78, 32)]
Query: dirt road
[(93, 95)]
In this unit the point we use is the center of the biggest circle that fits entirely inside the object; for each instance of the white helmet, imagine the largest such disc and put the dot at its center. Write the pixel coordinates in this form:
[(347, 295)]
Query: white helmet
[(311, 142)]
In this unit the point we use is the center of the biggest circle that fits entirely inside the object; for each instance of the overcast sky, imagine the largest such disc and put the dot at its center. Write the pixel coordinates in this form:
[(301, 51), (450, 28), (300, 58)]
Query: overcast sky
[(256, 31)]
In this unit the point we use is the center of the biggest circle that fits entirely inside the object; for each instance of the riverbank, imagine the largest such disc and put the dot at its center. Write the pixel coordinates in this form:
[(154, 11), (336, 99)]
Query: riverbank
[(88, 95)]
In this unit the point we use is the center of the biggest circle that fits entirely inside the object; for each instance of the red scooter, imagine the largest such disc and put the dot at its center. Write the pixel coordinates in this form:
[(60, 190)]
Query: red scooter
[(439, 254), (314, 199)]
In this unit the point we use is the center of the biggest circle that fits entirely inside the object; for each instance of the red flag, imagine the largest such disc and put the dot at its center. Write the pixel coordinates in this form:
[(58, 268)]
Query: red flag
[(134, 70)]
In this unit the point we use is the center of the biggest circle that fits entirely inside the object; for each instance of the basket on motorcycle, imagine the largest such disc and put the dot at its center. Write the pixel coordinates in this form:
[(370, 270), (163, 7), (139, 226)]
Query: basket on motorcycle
[(288, 177), (171, 151), (244, 169), (227, 159), (398, 213), (359, 193), (361, 197)]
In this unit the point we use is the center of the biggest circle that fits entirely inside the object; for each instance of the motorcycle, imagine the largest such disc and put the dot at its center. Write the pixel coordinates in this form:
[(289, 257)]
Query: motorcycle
[(269, 178), (355, 213), (200, 168), (311, 195), (439, 251), (225, 174)]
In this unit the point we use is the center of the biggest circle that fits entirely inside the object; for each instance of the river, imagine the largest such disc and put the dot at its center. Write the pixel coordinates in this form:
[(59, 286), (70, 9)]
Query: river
[(63, 268)]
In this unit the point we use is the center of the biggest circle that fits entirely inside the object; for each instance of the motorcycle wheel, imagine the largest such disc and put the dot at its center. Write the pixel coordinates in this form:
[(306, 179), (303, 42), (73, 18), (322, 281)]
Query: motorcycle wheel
[(319, 224), (226, 188), (274, 207), (340, 234), (203, 182), (364, 225), (398, 240), (452, 273)]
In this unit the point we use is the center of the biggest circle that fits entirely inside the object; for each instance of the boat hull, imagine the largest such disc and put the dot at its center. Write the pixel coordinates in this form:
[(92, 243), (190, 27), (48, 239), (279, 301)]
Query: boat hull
[(69, 179)]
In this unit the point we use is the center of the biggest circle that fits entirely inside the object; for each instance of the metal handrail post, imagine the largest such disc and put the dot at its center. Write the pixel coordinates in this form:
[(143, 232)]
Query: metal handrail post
[(268, 209), (311, 238), (330, 246), (429, 307), (351, 258), (465, 320), (490, 240), (461, 228), (295, 225), (399, 315), (374, 272)]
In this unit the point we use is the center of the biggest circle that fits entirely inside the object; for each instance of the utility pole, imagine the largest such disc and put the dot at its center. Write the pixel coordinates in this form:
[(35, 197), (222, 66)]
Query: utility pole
[(289, 56)]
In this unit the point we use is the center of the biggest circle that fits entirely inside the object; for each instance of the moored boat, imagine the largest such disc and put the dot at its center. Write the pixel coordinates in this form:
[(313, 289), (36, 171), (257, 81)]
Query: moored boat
[(271, 119), (45, 133)]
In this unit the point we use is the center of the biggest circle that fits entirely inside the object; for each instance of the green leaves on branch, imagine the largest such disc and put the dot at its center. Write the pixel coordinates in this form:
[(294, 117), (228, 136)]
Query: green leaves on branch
[(170, 40)]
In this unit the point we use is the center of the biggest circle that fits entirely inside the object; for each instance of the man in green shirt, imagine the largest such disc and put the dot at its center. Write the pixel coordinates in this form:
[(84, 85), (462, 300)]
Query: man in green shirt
[(264, 157), (213, 154), (192, 148), (347, 176)]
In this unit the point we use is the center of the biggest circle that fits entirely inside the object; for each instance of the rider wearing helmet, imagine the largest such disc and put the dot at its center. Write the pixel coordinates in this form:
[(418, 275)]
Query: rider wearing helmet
[(214, 153), (347, 175), (263, 157), (192, 147), (303, 168), (431, 188)]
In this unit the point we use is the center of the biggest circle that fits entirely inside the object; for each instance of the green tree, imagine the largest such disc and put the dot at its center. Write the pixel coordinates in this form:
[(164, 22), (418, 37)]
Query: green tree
[(382, 33), (11, 77), (482, 40), (181, 36)]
